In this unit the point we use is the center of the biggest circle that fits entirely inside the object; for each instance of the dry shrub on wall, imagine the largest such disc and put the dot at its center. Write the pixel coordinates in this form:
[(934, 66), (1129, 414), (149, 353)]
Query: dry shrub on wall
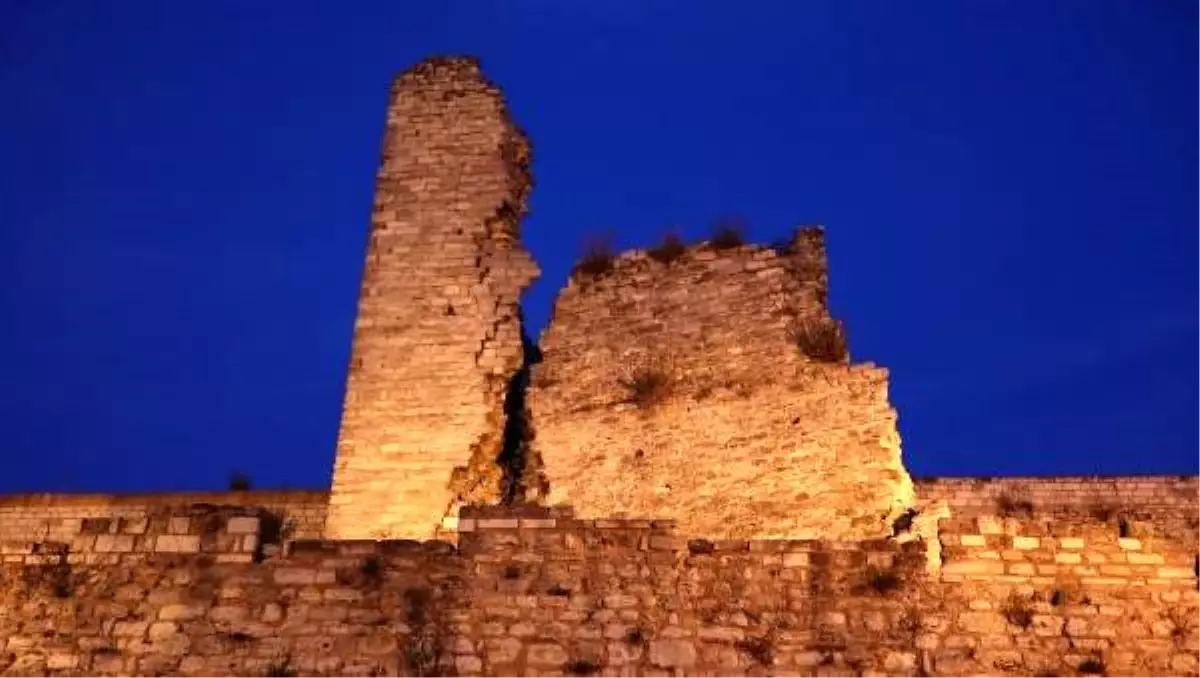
[(239, 481), (727, 235), (820, 339), (647, 384), (1018, 610), (670, 249), (281, 667), (1014, 503), (597, 258)]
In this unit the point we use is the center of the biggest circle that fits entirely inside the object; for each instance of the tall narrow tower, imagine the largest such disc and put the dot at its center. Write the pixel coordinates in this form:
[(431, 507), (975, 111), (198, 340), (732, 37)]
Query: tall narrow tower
[(437, 337)]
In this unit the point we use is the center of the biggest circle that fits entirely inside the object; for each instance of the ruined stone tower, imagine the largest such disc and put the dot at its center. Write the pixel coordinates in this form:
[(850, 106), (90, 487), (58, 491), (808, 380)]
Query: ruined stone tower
[(437, 337), (749, 434)]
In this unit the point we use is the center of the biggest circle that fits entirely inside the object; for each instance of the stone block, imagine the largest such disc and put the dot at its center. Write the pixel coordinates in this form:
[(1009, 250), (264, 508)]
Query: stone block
[(134, 525), (177, 543), (973, 567), (243, 525), (673, 653), (546, 655), (181, 612), (295, 576), (114, 543)]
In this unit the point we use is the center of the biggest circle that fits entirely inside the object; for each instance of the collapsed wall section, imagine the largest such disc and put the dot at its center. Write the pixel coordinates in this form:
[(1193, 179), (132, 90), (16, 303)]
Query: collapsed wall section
[(437, 337), (713, 388)]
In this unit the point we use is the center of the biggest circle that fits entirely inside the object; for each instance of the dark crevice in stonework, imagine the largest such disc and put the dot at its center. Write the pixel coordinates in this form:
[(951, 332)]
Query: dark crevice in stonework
[(522, 473)]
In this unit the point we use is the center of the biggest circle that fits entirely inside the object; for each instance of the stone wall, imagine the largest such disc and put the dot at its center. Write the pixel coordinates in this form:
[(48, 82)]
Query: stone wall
[(437, 338), (677, 389), (1161, 495), (539, 592), (1170, 501), (59, 517)]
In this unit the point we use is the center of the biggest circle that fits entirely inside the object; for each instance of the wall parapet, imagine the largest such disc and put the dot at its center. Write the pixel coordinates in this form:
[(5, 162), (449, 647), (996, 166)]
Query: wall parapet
[(981, 494), (42, 516)]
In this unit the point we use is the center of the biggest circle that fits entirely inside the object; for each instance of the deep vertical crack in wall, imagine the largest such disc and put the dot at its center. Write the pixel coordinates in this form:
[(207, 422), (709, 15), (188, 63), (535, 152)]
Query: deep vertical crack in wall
[(494, 472), (521, 473)]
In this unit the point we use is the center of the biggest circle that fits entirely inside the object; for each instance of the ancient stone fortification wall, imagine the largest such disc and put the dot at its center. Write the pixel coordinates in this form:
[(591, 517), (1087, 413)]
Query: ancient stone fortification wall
[(677, 390), (437, 338), (60, 517), (537, 592), (1160, 495), (1168, 501)]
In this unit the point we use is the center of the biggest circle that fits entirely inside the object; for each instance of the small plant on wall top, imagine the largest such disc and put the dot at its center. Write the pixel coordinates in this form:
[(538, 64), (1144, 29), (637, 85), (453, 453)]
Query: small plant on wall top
[(727, 235), (820, 339), (597, 259), (1013, 504), (670, 249), (239, 481)]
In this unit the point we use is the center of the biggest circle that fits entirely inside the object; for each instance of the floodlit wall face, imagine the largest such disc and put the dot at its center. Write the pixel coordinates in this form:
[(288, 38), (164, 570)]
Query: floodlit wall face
[(60, 517), (748, 438), (437, 337), (208, 591)]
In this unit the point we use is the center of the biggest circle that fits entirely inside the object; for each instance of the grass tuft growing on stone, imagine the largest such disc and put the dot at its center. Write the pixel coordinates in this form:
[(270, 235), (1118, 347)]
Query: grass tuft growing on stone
[(883, 581), (1012, 505), (597, 259), (647, 386), (581, 667), (821, 340), (1018, 611), (282, 667), (670, 249), (240, 481), (726, 236), (758, 649)]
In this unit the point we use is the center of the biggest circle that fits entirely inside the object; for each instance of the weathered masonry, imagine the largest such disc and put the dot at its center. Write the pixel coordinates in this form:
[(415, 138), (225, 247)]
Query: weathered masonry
[(437, 338), (688, 388), (725, 490), (753, 437)]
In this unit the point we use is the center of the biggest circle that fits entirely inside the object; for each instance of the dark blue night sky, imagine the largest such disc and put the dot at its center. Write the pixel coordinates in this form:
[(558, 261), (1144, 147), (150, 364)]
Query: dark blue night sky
[(1009, 188)]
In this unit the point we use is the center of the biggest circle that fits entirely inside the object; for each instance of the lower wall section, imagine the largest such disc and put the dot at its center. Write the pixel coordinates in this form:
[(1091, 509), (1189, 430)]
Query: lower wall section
[(538, 592), (59, 517)]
